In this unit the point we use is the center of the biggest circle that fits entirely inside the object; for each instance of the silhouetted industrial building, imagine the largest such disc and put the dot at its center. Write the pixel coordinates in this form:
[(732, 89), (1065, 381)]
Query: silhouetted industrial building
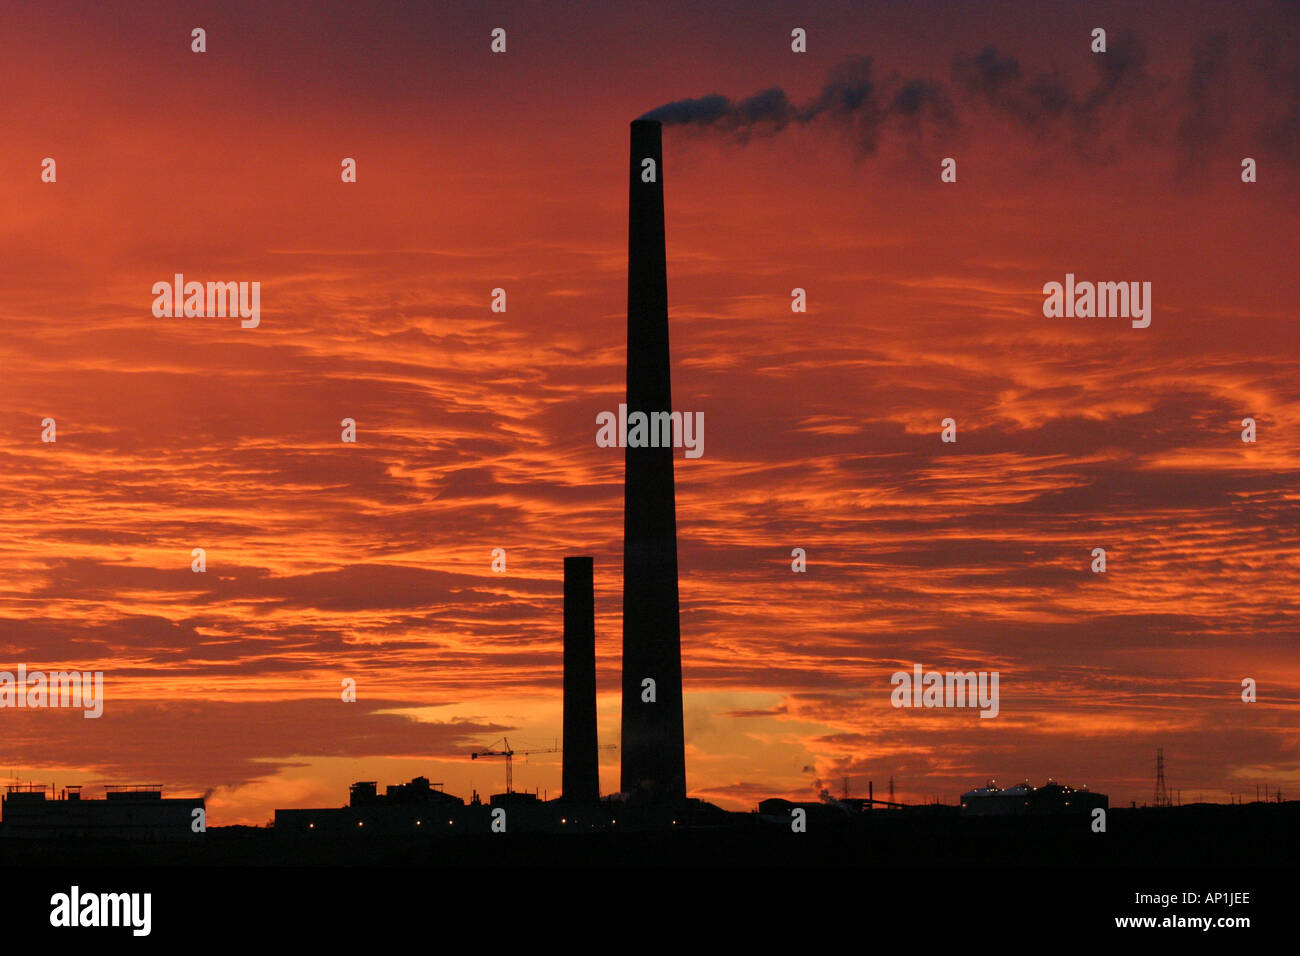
[(419, 791), (580, 778), (1025, 800), (402, 808), (653, 747), (138, 812)]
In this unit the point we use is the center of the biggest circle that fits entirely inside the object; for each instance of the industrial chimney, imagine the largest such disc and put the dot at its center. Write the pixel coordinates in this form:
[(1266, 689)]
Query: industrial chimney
[(653, 748), (580, 780)]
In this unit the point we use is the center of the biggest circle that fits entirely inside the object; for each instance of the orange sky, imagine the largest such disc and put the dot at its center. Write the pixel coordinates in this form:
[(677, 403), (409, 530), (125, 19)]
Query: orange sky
[(476, 430)]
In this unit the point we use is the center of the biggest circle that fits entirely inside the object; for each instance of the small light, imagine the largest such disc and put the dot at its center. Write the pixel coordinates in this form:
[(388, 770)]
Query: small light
[(311, 826), (361, 823)]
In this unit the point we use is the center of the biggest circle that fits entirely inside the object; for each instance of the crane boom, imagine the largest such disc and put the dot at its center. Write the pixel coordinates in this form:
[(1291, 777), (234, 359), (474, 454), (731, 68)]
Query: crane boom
[(509, 753)]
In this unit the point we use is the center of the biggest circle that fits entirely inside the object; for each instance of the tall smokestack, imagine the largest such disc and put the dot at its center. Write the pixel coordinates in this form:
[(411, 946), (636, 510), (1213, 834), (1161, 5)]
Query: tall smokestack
[(580, 780), (653, 748)]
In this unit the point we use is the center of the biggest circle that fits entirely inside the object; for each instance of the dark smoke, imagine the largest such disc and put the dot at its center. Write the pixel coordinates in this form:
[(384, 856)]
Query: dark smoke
[(1274, 54), (716, 109), (851, 97), (1046, 100), (1207, 94), (1195, 112)]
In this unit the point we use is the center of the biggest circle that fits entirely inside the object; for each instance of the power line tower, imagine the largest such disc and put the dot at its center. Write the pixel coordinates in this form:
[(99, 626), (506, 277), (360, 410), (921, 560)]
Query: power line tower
[(1162, 792), (891, 793)]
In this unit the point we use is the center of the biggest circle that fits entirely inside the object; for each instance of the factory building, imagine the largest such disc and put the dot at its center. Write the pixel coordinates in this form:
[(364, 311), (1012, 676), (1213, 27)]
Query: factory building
[(137, 812), (405, 808), (1025, 800)]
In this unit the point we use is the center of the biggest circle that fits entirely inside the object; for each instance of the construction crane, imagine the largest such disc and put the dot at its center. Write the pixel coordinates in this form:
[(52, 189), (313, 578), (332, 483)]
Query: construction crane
[(509, 753)]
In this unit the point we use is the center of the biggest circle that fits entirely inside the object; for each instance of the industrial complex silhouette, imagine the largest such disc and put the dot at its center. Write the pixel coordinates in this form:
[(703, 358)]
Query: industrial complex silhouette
[(652, 795)]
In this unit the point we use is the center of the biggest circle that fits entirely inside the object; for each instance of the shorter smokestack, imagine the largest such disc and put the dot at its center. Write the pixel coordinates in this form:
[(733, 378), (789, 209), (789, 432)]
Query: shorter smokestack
[(581, 775)]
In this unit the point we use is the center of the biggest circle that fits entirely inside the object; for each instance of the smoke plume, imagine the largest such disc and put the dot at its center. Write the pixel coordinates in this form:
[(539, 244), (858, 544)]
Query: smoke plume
[(851, 97), (1192, 110)]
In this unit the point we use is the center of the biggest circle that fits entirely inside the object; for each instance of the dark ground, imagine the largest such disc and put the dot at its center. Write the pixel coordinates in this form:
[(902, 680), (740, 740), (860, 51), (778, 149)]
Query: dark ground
[(936, 880)]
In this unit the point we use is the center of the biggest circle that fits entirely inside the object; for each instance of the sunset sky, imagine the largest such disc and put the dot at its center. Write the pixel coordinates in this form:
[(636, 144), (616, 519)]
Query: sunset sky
[(475, 430)]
